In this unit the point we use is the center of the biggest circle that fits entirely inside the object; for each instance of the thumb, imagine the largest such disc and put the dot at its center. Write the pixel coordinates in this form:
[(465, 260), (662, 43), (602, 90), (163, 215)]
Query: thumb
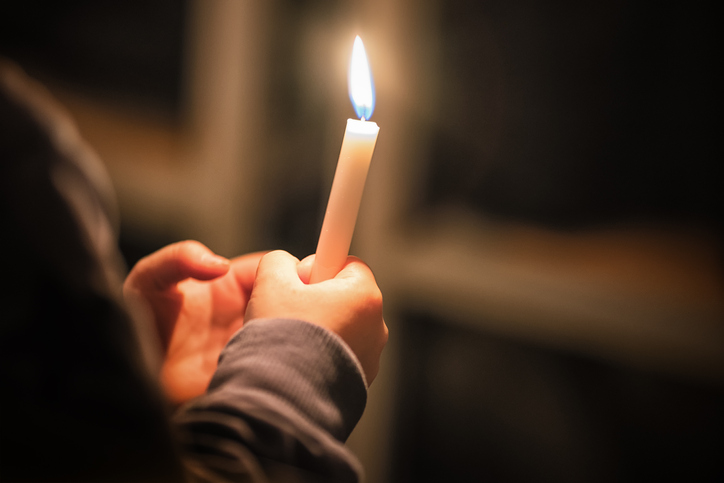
[(304, 269), (276, 291), (174, 263), (277, 266)]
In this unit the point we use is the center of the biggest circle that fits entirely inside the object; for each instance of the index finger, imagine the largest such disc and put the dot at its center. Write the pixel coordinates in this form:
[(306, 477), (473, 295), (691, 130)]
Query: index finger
[(355, 268), (174, 263)]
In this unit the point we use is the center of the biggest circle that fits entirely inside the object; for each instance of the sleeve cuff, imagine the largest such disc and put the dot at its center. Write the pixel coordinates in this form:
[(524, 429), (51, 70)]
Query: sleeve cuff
[(298, 364)]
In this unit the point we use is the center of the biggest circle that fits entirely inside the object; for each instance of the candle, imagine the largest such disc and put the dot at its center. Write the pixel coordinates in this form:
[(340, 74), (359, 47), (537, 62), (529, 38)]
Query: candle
[(355, 155)]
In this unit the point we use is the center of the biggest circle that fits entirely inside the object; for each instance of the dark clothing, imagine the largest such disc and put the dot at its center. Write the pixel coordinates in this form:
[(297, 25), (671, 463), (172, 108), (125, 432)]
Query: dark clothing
[(79, 400), (286, 395)]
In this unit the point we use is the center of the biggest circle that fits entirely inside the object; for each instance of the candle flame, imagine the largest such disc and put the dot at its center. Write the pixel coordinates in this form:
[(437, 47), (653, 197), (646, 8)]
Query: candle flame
[(361, 87)]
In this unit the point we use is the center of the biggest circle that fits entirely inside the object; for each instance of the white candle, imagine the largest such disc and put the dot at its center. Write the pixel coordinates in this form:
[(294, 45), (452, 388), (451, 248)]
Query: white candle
[(355, 155)]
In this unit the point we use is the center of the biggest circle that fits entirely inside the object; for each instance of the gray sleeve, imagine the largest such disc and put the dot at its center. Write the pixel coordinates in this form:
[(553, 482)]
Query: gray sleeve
[(285, 397)]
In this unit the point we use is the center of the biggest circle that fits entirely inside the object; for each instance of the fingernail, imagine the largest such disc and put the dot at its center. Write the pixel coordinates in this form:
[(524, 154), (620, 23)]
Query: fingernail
[(211, 260)]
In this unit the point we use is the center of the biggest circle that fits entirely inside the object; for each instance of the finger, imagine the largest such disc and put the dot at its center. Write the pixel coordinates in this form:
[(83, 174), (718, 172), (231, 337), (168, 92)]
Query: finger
[(245, 268), (355, 268), (304, 268), (174, 263), (278, 266)]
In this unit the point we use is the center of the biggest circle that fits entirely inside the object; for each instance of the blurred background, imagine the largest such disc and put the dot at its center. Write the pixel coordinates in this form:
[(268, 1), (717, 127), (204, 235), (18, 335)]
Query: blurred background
[(542, 212)]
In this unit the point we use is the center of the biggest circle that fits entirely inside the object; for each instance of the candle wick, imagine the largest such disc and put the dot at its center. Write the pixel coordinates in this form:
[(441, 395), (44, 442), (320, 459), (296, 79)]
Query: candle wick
[(362, 118)]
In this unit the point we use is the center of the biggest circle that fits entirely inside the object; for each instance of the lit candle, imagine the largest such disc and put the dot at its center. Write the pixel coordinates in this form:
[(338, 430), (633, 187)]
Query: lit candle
[(349, 178)]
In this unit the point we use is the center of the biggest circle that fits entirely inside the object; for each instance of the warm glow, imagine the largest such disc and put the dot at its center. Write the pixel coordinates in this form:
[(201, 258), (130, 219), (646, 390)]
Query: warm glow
[(361, 87)]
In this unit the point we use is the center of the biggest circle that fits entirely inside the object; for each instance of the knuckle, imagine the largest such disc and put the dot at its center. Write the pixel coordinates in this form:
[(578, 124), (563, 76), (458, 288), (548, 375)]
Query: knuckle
[(275, 255), (188, 247), (375, 298), (371, 304)]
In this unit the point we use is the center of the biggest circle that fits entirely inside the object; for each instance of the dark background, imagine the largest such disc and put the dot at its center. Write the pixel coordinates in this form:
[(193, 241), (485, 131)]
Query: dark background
[(575, 113)]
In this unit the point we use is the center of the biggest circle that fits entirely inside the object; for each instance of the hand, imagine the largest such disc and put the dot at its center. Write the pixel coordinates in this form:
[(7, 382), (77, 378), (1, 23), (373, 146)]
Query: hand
[(198, 300), (349, 304)]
